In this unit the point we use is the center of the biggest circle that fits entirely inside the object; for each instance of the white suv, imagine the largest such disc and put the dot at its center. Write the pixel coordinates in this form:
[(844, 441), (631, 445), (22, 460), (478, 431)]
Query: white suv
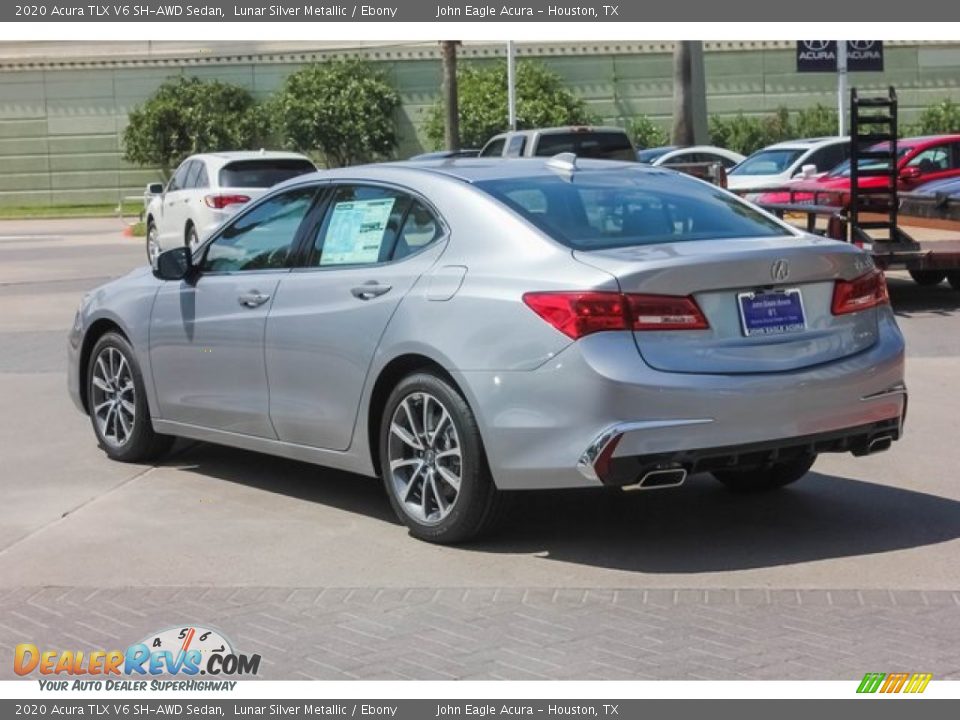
[(206, 189), (775, 165)]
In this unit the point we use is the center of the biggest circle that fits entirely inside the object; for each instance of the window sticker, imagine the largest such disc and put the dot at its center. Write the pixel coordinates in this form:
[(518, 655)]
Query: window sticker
[(356, 232)]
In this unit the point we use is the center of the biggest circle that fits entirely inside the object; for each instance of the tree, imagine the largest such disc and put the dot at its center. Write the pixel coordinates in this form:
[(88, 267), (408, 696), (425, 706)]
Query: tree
[(542, 101), (689, 94), (188, 115), (342, 109), (451, 122), (646, 133), (939, 119)]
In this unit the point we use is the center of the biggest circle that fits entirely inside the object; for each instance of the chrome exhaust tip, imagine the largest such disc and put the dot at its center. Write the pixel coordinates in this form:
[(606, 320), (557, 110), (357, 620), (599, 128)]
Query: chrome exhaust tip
[(879, 444), (660, 478)]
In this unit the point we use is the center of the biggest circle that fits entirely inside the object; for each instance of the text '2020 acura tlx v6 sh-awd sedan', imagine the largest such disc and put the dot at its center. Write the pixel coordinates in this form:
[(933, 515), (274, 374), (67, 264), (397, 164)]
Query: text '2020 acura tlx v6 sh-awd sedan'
[(463, 328)]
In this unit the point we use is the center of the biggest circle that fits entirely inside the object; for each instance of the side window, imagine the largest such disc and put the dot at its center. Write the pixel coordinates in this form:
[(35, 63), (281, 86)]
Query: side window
[(956, 155), (494, 148), (419, 230), (179, 179), (193, 174), (203, 179), (516, 145), (260, 239), (828, 158), (933, 159), (361, 226)]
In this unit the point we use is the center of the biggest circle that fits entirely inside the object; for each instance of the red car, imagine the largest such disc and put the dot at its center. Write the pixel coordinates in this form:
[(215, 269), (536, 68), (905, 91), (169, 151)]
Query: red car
[(920, 160)]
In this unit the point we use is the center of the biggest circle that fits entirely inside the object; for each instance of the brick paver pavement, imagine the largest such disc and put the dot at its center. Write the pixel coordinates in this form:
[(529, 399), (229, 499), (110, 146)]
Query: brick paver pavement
[(390, 633)]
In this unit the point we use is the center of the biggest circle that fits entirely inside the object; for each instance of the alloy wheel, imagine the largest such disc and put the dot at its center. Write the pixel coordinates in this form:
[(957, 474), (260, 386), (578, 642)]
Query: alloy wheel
[(426, 463), (113, 398), (153, 245)]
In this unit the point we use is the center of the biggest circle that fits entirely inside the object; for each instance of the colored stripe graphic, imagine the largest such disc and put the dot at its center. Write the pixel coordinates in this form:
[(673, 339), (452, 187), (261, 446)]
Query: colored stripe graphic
[(889, 683)]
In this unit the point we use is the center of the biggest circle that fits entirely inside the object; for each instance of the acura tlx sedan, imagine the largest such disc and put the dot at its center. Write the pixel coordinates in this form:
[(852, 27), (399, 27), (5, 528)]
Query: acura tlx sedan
[(467, 327)]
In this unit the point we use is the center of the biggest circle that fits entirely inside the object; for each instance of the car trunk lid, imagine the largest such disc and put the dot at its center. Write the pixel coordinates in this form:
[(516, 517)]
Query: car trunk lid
[(723, 275)]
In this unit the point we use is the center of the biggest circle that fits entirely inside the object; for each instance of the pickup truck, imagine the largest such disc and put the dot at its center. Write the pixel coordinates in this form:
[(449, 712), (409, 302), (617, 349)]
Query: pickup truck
[(606, 143)]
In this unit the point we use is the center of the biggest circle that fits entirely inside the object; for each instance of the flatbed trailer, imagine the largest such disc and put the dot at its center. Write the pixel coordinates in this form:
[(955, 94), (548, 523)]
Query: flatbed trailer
[(879, 209)]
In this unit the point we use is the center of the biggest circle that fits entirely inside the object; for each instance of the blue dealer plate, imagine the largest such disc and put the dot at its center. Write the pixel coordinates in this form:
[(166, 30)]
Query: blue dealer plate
[(771, 313)]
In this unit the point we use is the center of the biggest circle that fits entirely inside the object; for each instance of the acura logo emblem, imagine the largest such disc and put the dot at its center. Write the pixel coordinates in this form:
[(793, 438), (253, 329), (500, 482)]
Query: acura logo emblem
[(817, 45), (780, 270)]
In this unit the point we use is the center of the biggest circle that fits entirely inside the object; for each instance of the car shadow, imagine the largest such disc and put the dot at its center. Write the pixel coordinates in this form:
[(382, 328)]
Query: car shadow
[(908, 298), (699, 527)]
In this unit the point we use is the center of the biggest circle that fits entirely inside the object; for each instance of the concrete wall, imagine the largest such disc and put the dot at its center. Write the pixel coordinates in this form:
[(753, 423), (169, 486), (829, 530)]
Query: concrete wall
[(62, 112)]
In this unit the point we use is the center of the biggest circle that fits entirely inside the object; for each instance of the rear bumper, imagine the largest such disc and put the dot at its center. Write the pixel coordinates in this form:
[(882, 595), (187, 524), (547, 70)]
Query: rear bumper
[(546, 428), (626, 470)]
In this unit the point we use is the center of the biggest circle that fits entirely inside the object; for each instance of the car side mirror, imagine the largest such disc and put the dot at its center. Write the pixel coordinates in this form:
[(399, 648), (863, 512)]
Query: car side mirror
[(910, 173), (173, 264), (155, 189), (807, 172)]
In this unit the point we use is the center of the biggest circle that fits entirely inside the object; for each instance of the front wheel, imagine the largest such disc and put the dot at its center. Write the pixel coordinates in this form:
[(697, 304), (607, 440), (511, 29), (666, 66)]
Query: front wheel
[(191, 239), (766, 478), (433, 463), (118, 403), (153, 243), (927, 278)]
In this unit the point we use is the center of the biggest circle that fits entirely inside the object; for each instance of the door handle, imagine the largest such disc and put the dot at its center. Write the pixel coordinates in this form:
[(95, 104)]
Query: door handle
[(370, 290), (253, 299)]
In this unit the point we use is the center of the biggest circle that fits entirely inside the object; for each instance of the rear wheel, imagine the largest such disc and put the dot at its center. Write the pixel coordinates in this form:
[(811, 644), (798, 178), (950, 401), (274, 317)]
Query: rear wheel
[(766, 478), (927, 277), (433, 464), (118, 403), (953, 278)]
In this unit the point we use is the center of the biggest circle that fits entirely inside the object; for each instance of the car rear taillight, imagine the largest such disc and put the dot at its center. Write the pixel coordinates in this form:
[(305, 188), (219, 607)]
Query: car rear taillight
[(576, 314), (861, 293), (665, 312), (218, 202)]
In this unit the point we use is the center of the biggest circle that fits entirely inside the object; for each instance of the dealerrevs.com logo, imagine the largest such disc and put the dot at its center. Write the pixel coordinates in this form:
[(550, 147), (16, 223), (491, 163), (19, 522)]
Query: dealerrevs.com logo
[(179, 651)]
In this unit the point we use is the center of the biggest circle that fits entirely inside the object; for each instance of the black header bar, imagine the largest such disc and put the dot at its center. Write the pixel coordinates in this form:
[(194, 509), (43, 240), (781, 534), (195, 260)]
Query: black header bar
[(610, 11)]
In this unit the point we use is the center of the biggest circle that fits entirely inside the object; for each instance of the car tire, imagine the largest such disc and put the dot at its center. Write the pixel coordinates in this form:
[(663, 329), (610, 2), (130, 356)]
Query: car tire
[(927, 278), (153, 243), (428, 438), (118, 403), (953, 278), (766, 478), (191, 239)]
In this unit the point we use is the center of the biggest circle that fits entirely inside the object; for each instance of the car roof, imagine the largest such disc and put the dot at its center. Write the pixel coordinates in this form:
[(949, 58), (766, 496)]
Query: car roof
[(229, 156), (472, 170), (927, 140), (806, 143)]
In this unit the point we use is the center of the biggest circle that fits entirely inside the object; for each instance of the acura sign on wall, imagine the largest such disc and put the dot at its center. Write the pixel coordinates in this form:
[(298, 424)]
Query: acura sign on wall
[(821, 56)]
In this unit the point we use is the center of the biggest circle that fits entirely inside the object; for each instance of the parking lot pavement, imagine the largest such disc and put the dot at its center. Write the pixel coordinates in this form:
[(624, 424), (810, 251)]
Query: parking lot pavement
[(854, 566)]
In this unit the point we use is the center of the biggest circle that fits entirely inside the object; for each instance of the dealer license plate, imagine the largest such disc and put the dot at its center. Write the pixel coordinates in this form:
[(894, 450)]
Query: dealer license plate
[(771, 313)]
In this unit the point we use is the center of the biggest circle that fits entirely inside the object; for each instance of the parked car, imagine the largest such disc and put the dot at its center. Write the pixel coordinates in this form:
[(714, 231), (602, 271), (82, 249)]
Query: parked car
[(206, 189), (447, 154), (610, 143), (672, 155), (470, 327), (920, 160), (949, 188), (777, 164)]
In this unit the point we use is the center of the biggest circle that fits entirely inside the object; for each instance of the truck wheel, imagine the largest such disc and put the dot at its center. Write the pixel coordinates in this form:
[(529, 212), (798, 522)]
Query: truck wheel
[(927, 277), (768, 478)]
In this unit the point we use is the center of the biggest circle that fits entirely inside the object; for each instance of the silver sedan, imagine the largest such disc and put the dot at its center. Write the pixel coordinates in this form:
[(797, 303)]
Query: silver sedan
[(463, 328)]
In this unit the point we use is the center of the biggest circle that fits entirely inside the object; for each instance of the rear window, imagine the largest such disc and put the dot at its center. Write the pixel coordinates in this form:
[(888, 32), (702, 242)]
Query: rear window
[(607, 209), (262, 173), (587, 144)]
